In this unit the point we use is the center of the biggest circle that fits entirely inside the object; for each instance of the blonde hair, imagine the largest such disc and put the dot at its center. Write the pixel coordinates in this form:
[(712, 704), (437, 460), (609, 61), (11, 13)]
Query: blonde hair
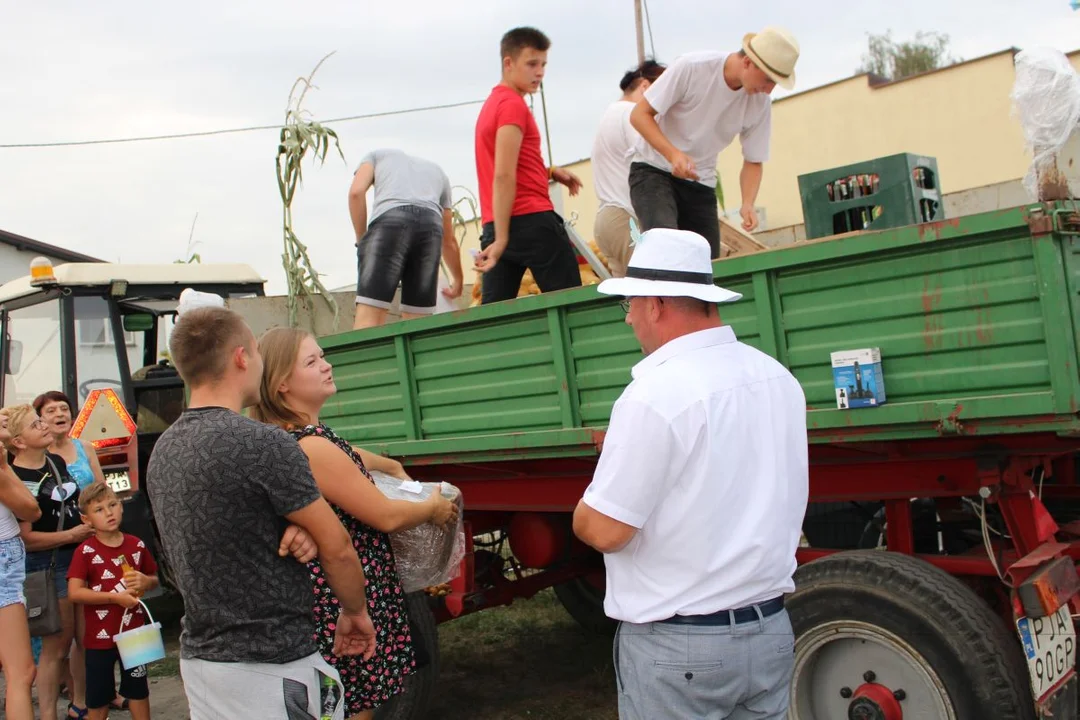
[(20, 417), (279, 348), (95, 492)]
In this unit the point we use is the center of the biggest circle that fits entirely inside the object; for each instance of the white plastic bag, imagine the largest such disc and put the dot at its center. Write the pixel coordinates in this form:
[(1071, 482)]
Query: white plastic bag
[(1046, 99), (425, 555)]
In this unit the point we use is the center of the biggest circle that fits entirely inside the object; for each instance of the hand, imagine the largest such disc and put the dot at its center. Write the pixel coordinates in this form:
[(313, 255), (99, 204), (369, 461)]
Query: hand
[(567, 178), (355, 635), (296, 542), (682, 166), (453, 292), (487, 259), (126, 600), (399, 472), (443, 512), (749, 217), (80, 533), (136, 583)]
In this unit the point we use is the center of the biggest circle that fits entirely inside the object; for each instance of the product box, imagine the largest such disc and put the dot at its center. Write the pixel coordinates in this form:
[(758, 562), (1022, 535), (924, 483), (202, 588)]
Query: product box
[(857, 378)]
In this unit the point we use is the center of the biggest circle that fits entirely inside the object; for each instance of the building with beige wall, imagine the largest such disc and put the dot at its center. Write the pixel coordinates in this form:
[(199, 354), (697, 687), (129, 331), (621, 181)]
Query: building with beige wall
[(961, 115)]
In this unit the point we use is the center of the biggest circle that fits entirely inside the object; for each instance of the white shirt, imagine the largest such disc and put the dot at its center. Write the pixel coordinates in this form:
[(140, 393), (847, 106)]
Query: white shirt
[(611, 153), (9, 524), (701, 115), (706, 454)]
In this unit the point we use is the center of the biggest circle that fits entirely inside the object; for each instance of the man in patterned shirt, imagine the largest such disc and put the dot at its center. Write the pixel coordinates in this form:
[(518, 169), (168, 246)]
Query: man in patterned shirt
[(223, 487)]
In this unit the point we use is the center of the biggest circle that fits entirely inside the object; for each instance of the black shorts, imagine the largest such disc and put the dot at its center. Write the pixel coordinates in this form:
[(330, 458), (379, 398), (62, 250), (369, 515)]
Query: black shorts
[(101, 683), (662, 200), (538, 242), (402, 245)]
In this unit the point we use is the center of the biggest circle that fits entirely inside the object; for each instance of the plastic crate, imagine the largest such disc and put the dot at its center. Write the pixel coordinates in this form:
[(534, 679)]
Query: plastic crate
[(886, 192)]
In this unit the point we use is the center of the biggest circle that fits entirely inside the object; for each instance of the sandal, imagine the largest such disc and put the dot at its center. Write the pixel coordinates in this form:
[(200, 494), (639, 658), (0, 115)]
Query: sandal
[(80, 714), (123, 705)]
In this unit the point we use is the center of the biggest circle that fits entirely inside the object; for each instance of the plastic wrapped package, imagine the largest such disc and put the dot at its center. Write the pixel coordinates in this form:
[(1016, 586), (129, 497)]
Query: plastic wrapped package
[(1046, 99), (426, 555)]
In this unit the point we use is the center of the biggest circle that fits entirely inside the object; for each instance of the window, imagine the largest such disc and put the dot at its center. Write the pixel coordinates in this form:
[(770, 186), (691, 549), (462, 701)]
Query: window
[(98, 331)]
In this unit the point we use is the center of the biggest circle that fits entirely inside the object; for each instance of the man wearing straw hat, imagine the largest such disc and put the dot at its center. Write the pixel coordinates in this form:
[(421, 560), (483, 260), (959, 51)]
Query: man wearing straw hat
[(694, 111), (698, 500)]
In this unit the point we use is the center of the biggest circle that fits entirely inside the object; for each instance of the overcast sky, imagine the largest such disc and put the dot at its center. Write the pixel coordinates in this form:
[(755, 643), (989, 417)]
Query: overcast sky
[(77, 70)]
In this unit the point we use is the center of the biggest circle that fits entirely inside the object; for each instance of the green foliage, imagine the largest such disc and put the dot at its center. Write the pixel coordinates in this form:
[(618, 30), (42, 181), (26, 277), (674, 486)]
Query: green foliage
[(192, 257), (897, 60), (299, 136), (720, 193)]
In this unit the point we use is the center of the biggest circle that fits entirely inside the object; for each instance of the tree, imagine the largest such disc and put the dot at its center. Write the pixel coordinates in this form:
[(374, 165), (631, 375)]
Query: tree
[(895, 61)]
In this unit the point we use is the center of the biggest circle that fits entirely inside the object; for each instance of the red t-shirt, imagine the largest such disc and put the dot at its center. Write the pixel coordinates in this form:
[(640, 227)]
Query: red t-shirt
[(505, 107), (99, 566)]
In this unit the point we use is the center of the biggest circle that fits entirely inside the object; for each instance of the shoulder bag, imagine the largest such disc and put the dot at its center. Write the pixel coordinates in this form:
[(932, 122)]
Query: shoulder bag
[(42, 602)]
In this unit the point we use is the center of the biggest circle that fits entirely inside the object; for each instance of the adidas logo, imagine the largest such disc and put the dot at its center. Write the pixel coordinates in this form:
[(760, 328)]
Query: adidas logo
[(97, 560), (116, 562), (102, 614), (107, 576), (141, 545), (138, 557), (96, 588), (103, 635), (87, 550), (139, 672)]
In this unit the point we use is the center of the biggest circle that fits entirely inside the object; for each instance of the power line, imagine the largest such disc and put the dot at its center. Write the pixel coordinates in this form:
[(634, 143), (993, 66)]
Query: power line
[(207, 133), (648, 24)]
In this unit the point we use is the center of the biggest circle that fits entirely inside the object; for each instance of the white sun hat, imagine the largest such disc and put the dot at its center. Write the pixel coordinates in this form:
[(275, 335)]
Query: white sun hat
[(669, 263)]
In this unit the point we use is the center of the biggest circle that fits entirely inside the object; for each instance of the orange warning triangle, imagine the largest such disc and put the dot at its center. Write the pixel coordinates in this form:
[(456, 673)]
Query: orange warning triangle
[(103, 420)]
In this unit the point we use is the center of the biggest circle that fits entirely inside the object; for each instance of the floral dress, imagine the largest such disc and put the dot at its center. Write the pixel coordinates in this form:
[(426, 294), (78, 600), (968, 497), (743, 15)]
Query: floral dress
[(374, 682)]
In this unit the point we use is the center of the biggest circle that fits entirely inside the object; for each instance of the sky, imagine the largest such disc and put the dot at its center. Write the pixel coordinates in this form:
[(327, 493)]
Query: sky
[(85, 71)]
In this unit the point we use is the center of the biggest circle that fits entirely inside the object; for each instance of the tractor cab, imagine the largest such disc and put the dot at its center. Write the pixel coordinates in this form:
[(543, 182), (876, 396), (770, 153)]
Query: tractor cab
[(98, 332)]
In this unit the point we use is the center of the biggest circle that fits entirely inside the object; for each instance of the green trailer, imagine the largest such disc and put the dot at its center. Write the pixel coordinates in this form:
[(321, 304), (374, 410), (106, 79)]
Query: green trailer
[(937, 577)]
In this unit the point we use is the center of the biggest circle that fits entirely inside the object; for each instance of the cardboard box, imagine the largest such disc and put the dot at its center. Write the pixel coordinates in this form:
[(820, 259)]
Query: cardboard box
[(857, 378)]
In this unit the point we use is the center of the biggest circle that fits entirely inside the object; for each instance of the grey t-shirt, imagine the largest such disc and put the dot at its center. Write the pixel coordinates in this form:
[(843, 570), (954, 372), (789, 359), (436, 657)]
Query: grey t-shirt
[(402, 179), (220, 485)]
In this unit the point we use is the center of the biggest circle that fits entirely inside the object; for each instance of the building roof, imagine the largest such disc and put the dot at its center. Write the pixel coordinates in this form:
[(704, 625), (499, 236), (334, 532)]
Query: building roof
[(26, 244), (165, 274)]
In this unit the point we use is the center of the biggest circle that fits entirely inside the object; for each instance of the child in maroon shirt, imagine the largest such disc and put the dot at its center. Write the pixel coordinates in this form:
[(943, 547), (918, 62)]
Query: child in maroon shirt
[(108, 574), (521, 230)]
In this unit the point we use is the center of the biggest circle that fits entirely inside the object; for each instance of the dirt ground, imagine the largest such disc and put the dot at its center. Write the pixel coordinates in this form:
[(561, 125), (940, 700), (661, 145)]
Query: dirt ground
[(528, 661)]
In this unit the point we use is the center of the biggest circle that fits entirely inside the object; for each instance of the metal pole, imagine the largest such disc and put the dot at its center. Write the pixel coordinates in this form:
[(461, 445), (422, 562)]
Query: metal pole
[(640, 32)]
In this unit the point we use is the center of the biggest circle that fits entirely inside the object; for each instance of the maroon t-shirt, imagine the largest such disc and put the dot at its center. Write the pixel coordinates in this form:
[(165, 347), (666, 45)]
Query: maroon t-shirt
[(99, 566), (506, 107)]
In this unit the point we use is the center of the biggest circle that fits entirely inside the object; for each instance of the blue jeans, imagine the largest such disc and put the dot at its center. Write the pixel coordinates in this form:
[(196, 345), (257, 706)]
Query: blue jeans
[(40, 561), (12, 571), (719, 672)]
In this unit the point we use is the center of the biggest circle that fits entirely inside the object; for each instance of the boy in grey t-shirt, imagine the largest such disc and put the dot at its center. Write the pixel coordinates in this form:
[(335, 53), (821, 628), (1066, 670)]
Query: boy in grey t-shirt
[(410, 223)]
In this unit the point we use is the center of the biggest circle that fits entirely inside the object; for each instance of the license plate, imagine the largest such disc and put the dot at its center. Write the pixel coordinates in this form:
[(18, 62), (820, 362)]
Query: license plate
[(119, 482), (1050, 648)]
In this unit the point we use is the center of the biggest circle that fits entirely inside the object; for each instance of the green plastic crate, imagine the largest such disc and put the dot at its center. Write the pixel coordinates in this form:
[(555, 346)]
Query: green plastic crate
[(886, 192)]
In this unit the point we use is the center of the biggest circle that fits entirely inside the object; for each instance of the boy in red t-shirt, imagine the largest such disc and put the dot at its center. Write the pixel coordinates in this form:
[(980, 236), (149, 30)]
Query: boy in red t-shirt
[(108, 574), (521, 228)]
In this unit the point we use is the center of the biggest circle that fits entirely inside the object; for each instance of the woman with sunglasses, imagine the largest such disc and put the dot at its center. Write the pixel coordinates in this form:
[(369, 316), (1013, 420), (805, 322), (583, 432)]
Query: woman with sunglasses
[(45, 476), (16, 503)]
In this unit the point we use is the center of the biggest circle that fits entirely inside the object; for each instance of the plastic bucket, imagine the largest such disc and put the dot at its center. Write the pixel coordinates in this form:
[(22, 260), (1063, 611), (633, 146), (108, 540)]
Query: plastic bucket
[(142, 645)]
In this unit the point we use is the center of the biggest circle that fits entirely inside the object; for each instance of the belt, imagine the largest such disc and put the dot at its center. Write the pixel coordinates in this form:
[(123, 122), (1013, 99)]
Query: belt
[(723, 617)]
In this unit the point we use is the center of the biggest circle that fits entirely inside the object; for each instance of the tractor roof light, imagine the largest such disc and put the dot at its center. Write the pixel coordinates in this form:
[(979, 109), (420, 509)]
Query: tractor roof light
[(41, 272)]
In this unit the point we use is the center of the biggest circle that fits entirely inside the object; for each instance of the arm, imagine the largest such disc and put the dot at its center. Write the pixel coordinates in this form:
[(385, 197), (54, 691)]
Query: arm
[(80, 594), (342, 483), (452, 257), (750, 183), (643, 118), (504, 189), (336, 554), (599, 531), (36, 541), (95, 464), (362, 181), (14, 495), (381, 463)]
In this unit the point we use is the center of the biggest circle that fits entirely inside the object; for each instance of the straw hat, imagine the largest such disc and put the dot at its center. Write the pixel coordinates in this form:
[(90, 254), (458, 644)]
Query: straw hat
[(669, 263), (775, 51)]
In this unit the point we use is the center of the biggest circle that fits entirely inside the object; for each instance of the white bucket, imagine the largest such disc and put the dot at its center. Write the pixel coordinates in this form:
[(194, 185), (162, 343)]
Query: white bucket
[(142, 645)]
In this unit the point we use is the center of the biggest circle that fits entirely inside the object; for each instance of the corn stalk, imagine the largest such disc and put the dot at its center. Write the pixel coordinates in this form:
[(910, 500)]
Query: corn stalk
[(299, 136)]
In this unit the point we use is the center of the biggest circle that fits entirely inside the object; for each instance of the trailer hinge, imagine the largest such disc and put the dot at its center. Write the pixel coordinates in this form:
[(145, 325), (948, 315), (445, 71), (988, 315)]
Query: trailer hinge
[(949, 424)]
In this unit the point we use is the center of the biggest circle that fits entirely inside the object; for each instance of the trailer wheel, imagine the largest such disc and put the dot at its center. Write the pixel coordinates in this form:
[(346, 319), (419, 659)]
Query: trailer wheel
[(419, 687), (876, 629), (585, 603)]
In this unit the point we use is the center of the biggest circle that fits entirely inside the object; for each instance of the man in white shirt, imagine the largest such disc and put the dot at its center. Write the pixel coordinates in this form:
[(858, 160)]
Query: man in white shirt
[(698, 500), (611, 154), (690, 115)]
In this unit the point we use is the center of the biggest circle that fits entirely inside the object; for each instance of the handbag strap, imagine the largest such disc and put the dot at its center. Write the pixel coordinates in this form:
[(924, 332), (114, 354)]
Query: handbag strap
[(60, 524)]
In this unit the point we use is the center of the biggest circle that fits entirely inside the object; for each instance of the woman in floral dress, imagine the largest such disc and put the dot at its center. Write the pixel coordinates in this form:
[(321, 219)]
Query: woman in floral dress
[(297, 381)]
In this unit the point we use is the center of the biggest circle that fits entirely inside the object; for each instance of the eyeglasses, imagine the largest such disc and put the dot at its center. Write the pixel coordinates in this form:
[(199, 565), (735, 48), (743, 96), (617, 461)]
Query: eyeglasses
[(625, 305)]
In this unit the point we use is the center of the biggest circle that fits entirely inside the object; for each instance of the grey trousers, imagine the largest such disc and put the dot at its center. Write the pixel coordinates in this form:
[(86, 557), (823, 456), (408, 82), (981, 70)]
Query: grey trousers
[(701, 672), (291, 691)]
